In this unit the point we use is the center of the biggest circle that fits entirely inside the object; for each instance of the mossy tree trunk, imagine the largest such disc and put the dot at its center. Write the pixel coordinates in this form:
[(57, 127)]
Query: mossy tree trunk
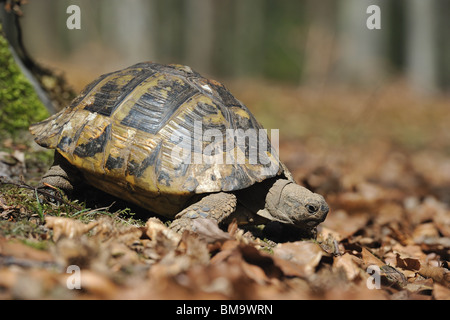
[(19, 103)]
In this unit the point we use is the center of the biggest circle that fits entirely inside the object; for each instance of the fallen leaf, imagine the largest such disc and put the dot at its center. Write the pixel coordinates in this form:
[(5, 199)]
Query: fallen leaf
[(424, 231), (306, 255), (106, 230), (21, 251), (209, 231), (345, 224), (96, 284), (66, 227), (438, 274), (261, 259), (156, 229), (408, 263), (419, 286), (411, 251), (370, 259), (348, 264), (440, 292)]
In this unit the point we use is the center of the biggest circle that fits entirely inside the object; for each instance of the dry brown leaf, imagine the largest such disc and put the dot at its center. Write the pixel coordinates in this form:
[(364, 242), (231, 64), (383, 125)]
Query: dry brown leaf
[(254, 272), (348, 264), (428, 210), (369, 259), (440, 292), (435, 273), (367, 197), (66, 227), (306, 255), (21, 251), (194, 248), (107, 230), (209, 231), (408, 263), (420, 286), (345, 224), (155, 229), (94, 283), (389, 212), (393, 276), (289, 268), (424, 231), (173, 260), (233, 227), (163, 241), (256, 265), (261, 259)]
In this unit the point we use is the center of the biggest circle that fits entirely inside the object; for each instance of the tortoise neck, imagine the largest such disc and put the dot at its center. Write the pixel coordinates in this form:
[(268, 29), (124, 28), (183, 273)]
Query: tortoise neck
[(274, 194)]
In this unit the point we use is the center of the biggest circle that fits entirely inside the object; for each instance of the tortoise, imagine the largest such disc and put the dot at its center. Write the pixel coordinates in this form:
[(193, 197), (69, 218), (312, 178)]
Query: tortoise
[(134, 133)]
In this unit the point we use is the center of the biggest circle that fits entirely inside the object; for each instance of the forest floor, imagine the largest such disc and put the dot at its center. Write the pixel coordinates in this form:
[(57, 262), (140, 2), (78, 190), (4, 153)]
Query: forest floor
[(381, 159)]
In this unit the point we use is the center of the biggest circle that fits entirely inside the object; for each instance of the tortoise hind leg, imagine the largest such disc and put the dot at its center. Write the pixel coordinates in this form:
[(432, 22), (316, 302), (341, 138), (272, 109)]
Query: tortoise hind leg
[(216, 206), (61, 175)]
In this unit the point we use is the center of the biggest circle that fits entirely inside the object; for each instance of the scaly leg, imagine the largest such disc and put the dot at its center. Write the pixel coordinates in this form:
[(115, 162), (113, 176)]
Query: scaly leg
[(216, 206), (61, 175)]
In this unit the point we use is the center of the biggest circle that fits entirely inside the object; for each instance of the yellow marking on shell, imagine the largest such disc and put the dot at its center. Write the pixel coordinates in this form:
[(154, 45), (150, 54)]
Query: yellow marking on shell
[(89, 164), (122, 79), (48, 132), (119, 147), (71, 127), (215, 118), (95, 126), (87, 101), (182, 67), (118, 78), (139, 150), (215, 83), (240, 112)]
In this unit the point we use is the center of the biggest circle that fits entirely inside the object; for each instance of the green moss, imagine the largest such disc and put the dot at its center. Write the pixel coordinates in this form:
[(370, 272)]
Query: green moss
[(19, 103)]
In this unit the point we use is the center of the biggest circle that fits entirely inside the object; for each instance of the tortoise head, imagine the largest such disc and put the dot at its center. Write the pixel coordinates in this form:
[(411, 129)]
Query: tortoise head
[(290, 203)]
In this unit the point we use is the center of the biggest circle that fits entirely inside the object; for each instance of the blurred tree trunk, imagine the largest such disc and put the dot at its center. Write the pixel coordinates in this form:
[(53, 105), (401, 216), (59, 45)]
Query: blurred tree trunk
[(443, 43), (130, 28), (248, 40), (320, 41), (169, 35), (361, 51), (199, 34), (421, 51)]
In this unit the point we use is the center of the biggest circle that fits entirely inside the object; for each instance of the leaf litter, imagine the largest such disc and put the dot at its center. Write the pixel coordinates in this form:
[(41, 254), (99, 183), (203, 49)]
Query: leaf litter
[(389, 227)]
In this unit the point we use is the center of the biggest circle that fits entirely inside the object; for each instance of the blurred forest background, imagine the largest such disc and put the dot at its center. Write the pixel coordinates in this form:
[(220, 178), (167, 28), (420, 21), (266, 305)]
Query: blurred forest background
[(310, 68), (301, 42)]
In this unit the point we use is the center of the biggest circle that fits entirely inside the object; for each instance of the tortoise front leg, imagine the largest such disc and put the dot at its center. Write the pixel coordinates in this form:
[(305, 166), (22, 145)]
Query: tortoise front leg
[(216, 206)]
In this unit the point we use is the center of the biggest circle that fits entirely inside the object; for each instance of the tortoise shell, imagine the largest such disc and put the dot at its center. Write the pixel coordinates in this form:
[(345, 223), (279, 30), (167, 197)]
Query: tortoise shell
[(124, 133)]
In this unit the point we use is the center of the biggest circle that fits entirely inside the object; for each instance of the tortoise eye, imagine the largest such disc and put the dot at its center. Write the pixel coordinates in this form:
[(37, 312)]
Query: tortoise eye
[(311, 209)]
